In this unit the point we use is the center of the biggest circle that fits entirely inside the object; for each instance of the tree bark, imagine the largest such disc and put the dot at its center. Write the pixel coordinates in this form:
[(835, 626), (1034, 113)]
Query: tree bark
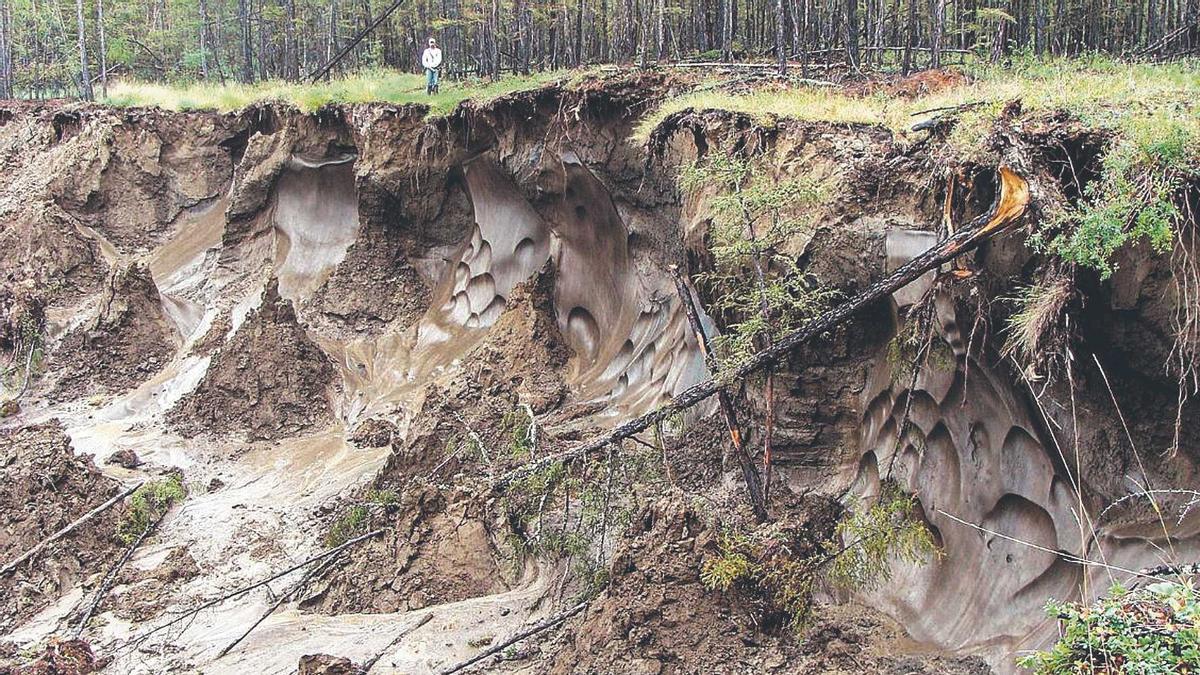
[(749, 473), (780, 51), (247, 41), (6, 79), (85, 73), (103, 48)]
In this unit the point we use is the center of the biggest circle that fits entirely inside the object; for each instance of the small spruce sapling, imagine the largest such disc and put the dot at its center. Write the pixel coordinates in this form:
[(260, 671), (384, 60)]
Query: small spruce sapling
[(762, 291)]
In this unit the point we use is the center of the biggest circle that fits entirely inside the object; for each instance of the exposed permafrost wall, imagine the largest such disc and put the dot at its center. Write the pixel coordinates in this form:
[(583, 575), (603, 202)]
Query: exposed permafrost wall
[(997, 489)]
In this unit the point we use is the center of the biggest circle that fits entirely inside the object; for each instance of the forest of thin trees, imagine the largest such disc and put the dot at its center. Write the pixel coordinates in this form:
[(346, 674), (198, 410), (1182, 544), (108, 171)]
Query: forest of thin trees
[(52, 48)]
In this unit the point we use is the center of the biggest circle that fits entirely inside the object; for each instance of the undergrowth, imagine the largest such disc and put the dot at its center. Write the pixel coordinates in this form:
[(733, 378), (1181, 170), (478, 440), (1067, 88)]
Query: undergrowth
[(778, 562), (1150, 630), (349, 525), (1036, 332), (148, 505), (760, 290), (567, 513)]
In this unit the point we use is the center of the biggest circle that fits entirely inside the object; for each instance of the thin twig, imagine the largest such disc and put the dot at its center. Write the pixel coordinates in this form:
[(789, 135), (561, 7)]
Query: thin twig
[(246, 589), (496, 649)]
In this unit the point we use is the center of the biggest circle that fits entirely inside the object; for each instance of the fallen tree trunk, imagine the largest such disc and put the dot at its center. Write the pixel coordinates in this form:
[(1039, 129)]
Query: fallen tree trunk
[(67, 530), (749, 474), (1008, 207)]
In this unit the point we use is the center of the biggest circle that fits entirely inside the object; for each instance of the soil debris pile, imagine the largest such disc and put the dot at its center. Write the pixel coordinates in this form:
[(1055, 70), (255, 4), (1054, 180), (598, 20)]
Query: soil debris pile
[(45, 487), (128, 340), (269, 381)]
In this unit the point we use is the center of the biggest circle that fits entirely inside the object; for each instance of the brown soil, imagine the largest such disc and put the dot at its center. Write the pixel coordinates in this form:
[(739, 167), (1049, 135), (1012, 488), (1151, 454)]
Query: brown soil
[(373, 433), (60, 657), (129, 340), (656, 616), (142, 595), (442, 548), (439, 551), (374, 287), (46, 486), (269, 381), (324, 664)]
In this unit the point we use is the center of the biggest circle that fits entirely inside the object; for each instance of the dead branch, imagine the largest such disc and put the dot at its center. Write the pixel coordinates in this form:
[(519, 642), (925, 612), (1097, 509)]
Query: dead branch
[(1009, 206), (278, 601), (111, 576), (749, 474), (956, 108), (67, 530), (1171, 570), (259, 584), (366, 668), (496, 649)]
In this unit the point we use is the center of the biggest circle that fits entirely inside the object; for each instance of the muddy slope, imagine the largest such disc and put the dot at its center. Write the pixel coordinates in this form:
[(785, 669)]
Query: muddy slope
[(357, 319)]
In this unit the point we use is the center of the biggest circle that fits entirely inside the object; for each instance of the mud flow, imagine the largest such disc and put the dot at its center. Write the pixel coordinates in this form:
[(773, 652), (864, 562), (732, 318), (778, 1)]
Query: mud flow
[(354, 323)]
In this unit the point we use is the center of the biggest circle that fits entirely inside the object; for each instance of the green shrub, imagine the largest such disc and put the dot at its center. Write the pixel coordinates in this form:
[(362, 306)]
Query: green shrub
[(1147, 631), (1151, 160), (147, 505), (352, 523), (754, 218), (778, 561)]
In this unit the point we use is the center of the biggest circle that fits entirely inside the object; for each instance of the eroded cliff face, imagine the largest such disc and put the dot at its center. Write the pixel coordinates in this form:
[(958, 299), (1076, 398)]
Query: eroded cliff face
[(305, 312)]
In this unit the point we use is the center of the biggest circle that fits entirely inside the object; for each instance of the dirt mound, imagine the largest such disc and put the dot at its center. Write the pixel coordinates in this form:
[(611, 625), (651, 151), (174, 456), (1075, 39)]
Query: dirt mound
[(324, 664), (524, 352), (656, 616), (144, 594), (46, 486), (375, 286), (441, 548), (269, 381), (129, 340), (65, 657)]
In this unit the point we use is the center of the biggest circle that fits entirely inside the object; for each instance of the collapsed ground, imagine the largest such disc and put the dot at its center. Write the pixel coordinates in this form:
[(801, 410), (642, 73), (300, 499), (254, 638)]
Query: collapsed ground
[(358, 319)]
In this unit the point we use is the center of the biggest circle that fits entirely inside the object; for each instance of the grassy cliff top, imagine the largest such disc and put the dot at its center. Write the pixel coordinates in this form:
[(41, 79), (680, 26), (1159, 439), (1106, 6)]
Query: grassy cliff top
[(375, 86)]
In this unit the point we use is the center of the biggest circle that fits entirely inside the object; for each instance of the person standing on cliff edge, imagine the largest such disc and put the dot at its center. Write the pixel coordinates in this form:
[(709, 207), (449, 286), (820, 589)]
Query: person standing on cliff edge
[(432, 61)]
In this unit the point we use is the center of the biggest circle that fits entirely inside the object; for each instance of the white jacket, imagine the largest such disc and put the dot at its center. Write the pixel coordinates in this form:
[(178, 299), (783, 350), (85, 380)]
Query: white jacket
[(432, 58)]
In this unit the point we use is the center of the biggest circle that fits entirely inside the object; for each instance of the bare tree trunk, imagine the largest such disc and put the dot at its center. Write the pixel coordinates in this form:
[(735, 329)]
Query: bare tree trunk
[(939, 18), (780, 51), (291, 56), (852, 33), (103, 49), (910, 37), (247, 41), (85, 73), (6, 83), (204, 39), (331, 43), (727, 29)]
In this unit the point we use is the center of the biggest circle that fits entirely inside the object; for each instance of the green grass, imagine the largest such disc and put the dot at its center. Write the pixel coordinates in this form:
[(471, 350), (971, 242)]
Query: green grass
[(368, 87), (1099, 91)]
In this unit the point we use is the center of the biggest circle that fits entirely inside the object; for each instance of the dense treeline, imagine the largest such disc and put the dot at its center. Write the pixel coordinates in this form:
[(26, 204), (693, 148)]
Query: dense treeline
[(67, 47)]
